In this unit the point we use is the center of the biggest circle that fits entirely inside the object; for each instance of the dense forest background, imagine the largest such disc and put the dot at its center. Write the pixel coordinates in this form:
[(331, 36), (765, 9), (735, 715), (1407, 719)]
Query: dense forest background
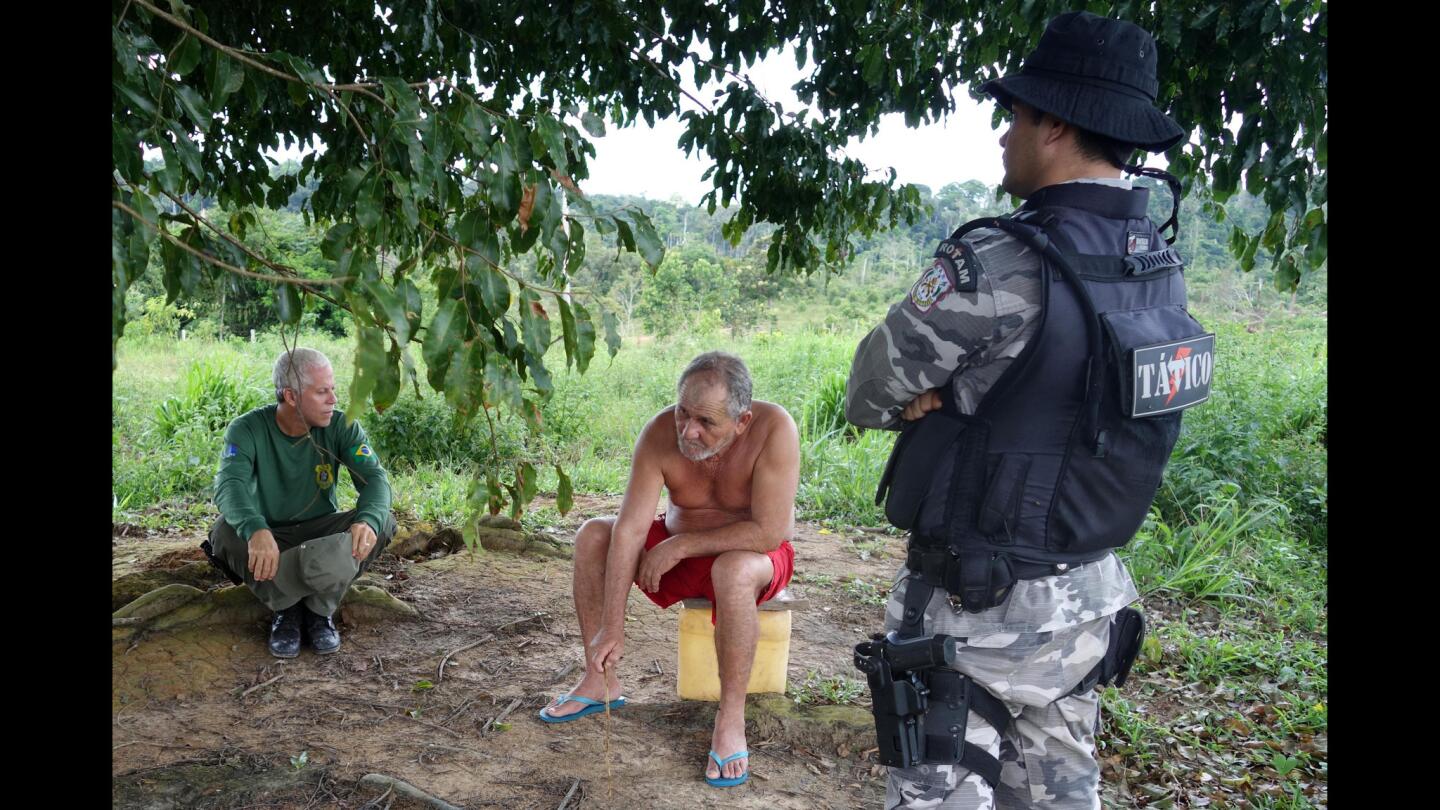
[(707, 278)]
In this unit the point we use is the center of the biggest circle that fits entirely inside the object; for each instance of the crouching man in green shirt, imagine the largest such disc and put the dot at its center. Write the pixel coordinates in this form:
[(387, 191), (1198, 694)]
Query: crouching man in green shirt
[(279, 522)]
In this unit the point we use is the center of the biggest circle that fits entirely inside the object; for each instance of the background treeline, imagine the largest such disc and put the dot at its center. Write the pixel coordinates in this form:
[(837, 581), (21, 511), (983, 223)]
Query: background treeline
[(1260, 443), (705, 281)]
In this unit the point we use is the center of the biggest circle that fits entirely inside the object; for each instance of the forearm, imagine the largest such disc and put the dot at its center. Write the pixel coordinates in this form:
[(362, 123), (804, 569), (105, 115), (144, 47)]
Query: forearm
[(372, 503), (621, 564), (237, 504), (745, 535), (878, 387)]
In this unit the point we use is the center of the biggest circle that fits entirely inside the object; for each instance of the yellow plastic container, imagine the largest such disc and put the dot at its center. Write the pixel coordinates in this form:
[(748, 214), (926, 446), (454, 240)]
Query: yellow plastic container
[(698, 672)]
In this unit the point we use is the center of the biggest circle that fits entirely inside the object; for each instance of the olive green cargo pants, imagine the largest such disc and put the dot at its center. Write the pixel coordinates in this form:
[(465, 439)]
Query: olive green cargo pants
[(315, 562)]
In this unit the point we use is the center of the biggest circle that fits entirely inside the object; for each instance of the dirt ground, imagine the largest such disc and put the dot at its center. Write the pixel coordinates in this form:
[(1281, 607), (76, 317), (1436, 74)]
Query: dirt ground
[(205, 717)]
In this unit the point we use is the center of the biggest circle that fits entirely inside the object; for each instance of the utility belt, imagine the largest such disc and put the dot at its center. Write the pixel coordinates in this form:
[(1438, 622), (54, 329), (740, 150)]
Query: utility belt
[(976, 580)]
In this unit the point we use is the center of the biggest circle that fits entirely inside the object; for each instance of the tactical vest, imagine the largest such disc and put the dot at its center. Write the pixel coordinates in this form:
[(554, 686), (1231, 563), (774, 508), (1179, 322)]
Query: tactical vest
[(1062, 458)]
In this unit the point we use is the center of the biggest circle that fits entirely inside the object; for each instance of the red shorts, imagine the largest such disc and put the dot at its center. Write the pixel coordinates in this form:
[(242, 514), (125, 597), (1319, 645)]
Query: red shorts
[(690, 578)]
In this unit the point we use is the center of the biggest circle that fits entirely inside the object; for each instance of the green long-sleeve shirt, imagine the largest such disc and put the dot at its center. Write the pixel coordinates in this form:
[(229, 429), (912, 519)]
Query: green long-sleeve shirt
[(269, 479)]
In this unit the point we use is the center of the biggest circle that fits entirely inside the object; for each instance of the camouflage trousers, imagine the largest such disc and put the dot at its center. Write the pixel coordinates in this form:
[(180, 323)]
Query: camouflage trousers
[(1047, 755)]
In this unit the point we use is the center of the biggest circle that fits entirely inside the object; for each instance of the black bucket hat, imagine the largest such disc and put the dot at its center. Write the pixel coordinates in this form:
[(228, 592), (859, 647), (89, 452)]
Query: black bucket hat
[(1098, 74)]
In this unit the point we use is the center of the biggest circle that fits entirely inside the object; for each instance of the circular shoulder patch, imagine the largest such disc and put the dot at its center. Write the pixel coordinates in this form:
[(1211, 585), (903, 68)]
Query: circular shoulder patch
[(932, 286)]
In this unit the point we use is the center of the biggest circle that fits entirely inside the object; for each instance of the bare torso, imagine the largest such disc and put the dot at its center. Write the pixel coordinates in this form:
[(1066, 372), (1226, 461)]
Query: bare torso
[(715, 492)]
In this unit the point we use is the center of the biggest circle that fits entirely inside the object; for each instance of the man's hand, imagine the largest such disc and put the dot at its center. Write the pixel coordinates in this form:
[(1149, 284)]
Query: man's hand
[(606, 650), (362, 539), (264, 558), (921, 405), (655, 562)]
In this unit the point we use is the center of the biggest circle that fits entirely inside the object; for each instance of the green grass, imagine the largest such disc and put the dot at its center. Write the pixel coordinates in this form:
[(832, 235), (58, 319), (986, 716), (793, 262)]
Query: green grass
[(1232, 559), (1263, 433), (816, 689), (1259, 442), (867, 593), (818, 580)]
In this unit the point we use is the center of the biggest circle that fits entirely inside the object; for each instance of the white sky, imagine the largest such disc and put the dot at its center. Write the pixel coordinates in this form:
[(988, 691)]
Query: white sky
[(646, 161)]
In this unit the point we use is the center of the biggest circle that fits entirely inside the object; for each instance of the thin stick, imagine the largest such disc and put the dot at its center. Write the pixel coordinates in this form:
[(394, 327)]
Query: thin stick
[(449, 748), (300, 282), (521, 621), (440, 673), (258, 686), (368, 703), (562, 672), (502, 715), (433, 725), (609, 768), (240, 55), (573, 787), (514, 704), (456, 713)]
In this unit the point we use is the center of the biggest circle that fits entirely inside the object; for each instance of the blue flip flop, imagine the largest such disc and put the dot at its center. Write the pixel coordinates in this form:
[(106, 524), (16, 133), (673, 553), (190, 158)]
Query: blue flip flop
[(591, 706), (733, 780)]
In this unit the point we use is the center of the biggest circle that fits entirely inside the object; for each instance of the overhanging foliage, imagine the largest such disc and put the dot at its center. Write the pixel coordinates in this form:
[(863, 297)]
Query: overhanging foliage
[(455, 136)]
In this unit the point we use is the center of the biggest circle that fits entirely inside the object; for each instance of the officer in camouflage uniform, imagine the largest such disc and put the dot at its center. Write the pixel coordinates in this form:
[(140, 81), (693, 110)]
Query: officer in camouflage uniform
[(279, 522), (1080, 106)]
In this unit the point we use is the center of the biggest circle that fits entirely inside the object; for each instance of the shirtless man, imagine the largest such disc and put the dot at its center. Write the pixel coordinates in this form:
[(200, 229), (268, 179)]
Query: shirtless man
[(732, 467)]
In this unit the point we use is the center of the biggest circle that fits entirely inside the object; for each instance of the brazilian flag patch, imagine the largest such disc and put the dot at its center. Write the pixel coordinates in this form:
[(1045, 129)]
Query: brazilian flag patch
[(363, 451)]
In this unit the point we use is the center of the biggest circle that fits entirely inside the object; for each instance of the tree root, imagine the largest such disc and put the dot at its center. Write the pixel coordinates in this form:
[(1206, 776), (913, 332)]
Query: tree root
[(178, 605), (405, 789), (494, 532), (126, 589)]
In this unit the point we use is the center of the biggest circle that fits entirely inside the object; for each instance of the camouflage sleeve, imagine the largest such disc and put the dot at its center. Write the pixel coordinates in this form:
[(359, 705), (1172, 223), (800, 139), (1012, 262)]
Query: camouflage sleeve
[(946, 320)]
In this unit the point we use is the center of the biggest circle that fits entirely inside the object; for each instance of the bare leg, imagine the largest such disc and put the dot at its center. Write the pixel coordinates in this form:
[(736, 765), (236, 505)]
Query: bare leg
[(739, 577), (592, 544)]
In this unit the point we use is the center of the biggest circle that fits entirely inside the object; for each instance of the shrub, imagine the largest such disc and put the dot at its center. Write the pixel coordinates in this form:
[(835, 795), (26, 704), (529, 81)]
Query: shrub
[(823, 415), (211, 396)]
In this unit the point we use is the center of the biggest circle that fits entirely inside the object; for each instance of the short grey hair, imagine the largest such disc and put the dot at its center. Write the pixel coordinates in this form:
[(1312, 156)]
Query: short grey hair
[(292, 369), (731, 370)]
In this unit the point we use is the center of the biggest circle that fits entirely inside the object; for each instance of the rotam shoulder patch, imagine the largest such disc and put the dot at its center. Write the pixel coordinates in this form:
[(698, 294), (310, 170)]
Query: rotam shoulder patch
[(932, 286), (964, 266)]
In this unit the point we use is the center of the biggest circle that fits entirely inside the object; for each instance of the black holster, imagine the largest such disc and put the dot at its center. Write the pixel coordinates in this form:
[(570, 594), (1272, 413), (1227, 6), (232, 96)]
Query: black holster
[(219, 563), (952, 697), (1127, 634), (922, 707)]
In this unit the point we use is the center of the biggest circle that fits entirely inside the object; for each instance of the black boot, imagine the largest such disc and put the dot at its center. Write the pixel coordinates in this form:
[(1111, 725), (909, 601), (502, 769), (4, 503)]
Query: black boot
[(324, 638), (285, 632)]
